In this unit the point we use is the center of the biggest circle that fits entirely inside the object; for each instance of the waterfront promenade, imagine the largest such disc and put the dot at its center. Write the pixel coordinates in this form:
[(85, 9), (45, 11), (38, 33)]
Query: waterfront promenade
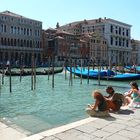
[(124, 125)]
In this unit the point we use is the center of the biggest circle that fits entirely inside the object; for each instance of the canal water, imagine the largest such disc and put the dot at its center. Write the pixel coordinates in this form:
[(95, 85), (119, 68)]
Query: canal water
[(46, 108)]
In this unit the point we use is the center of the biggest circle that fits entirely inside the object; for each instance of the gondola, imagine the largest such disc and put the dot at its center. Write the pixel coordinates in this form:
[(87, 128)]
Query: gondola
[(28, 73), (105, 75)]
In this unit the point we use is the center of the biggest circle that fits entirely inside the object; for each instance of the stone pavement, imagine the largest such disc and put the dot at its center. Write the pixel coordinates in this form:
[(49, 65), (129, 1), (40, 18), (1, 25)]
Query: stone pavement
[(124, 125)]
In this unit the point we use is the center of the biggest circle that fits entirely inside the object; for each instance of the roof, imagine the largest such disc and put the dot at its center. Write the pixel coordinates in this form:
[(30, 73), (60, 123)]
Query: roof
[(92, 21), (119, 22), (59, 37), (63, 32), (8, 13), (51, 29)]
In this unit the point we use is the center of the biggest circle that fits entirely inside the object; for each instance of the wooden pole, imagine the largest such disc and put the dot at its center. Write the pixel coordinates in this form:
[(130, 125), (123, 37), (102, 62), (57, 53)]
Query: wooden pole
[(21, 69), (53, 72), (32, 73), (48, 67), (81, 72), (10, 79), (3, 73), (70, 80), (34, 66), (74, 68), (93, 65), (0, 83), (88, 73), (20, 74), (99, 73), (65, 71)]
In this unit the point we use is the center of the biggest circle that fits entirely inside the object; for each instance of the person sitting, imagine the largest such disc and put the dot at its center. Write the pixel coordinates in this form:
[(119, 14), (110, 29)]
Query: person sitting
[(133, 96), (110, 91), (100, 108), (114, 100)]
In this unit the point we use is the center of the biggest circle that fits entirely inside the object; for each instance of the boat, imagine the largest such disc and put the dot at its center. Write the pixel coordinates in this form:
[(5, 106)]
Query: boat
[(29, 72), (104, 75), (133, 69)]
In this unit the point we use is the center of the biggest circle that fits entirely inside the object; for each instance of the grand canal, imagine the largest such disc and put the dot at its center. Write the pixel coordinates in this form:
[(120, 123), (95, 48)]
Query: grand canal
[(45, 107)]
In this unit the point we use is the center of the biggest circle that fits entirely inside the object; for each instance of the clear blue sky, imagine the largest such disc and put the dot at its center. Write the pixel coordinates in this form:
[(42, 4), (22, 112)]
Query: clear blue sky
[(64, 11)]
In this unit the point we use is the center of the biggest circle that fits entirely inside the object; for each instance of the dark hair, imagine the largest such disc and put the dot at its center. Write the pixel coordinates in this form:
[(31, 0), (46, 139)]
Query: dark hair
[(135, 85), (110, 88)]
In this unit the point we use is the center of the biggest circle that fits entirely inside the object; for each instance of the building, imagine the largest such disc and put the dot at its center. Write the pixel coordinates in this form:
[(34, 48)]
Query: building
[(20, 38), (135, 58), (116, 34), (65, 46)]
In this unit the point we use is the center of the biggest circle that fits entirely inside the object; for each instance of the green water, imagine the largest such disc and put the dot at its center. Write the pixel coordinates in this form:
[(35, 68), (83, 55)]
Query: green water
[(45, 107)]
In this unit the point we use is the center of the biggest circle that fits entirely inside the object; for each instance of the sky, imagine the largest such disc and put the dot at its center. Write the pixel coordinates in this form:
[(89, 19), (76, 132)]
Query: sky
[(65, 11)]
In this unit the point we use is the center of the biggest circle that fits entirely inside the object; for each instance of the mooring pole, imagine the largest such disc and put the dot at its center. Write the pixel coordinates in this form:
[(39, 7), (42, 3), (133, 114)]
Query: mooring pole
[(21, 64), (81, 72), (53, 72), (99, 74), (88, 73), (20, 74), (32, 73), (3, 73), (0, 83), (65, 70), (74, 68), (49, 68), (10, 79), (70, 80)]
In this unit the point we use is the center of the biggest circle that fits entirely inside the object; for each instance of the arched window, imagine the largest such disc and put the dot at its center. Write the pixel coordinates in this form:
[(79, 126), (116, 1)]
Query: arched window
[(11, 42), (5, 41), (31, 43), (18, 42), (15, 30), (15, 43), (2, 42), (21, 43), (18, 30), (8, 42), (25, 43)]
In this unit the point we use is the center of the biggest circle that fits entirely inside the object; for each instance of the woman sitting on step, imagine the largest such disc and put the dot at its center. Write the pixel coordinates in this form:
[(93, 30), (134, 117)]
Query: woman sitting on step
[(100, 108), (132, 98), (114, 100)]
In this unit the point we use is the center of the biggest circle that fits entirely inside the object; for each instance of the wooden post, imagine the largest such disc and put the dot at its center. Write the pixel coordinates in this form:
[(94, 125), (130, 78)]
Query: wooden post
[(20, 74), (93, 65), (0, 83), (21, 65), (65, 70), (10, 79), (48, 67), (34, 66), (3, 73), (53, 71), (74, 68), (32, 73), (81, 72), (99, 73), (88, 73), (70, 80)]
